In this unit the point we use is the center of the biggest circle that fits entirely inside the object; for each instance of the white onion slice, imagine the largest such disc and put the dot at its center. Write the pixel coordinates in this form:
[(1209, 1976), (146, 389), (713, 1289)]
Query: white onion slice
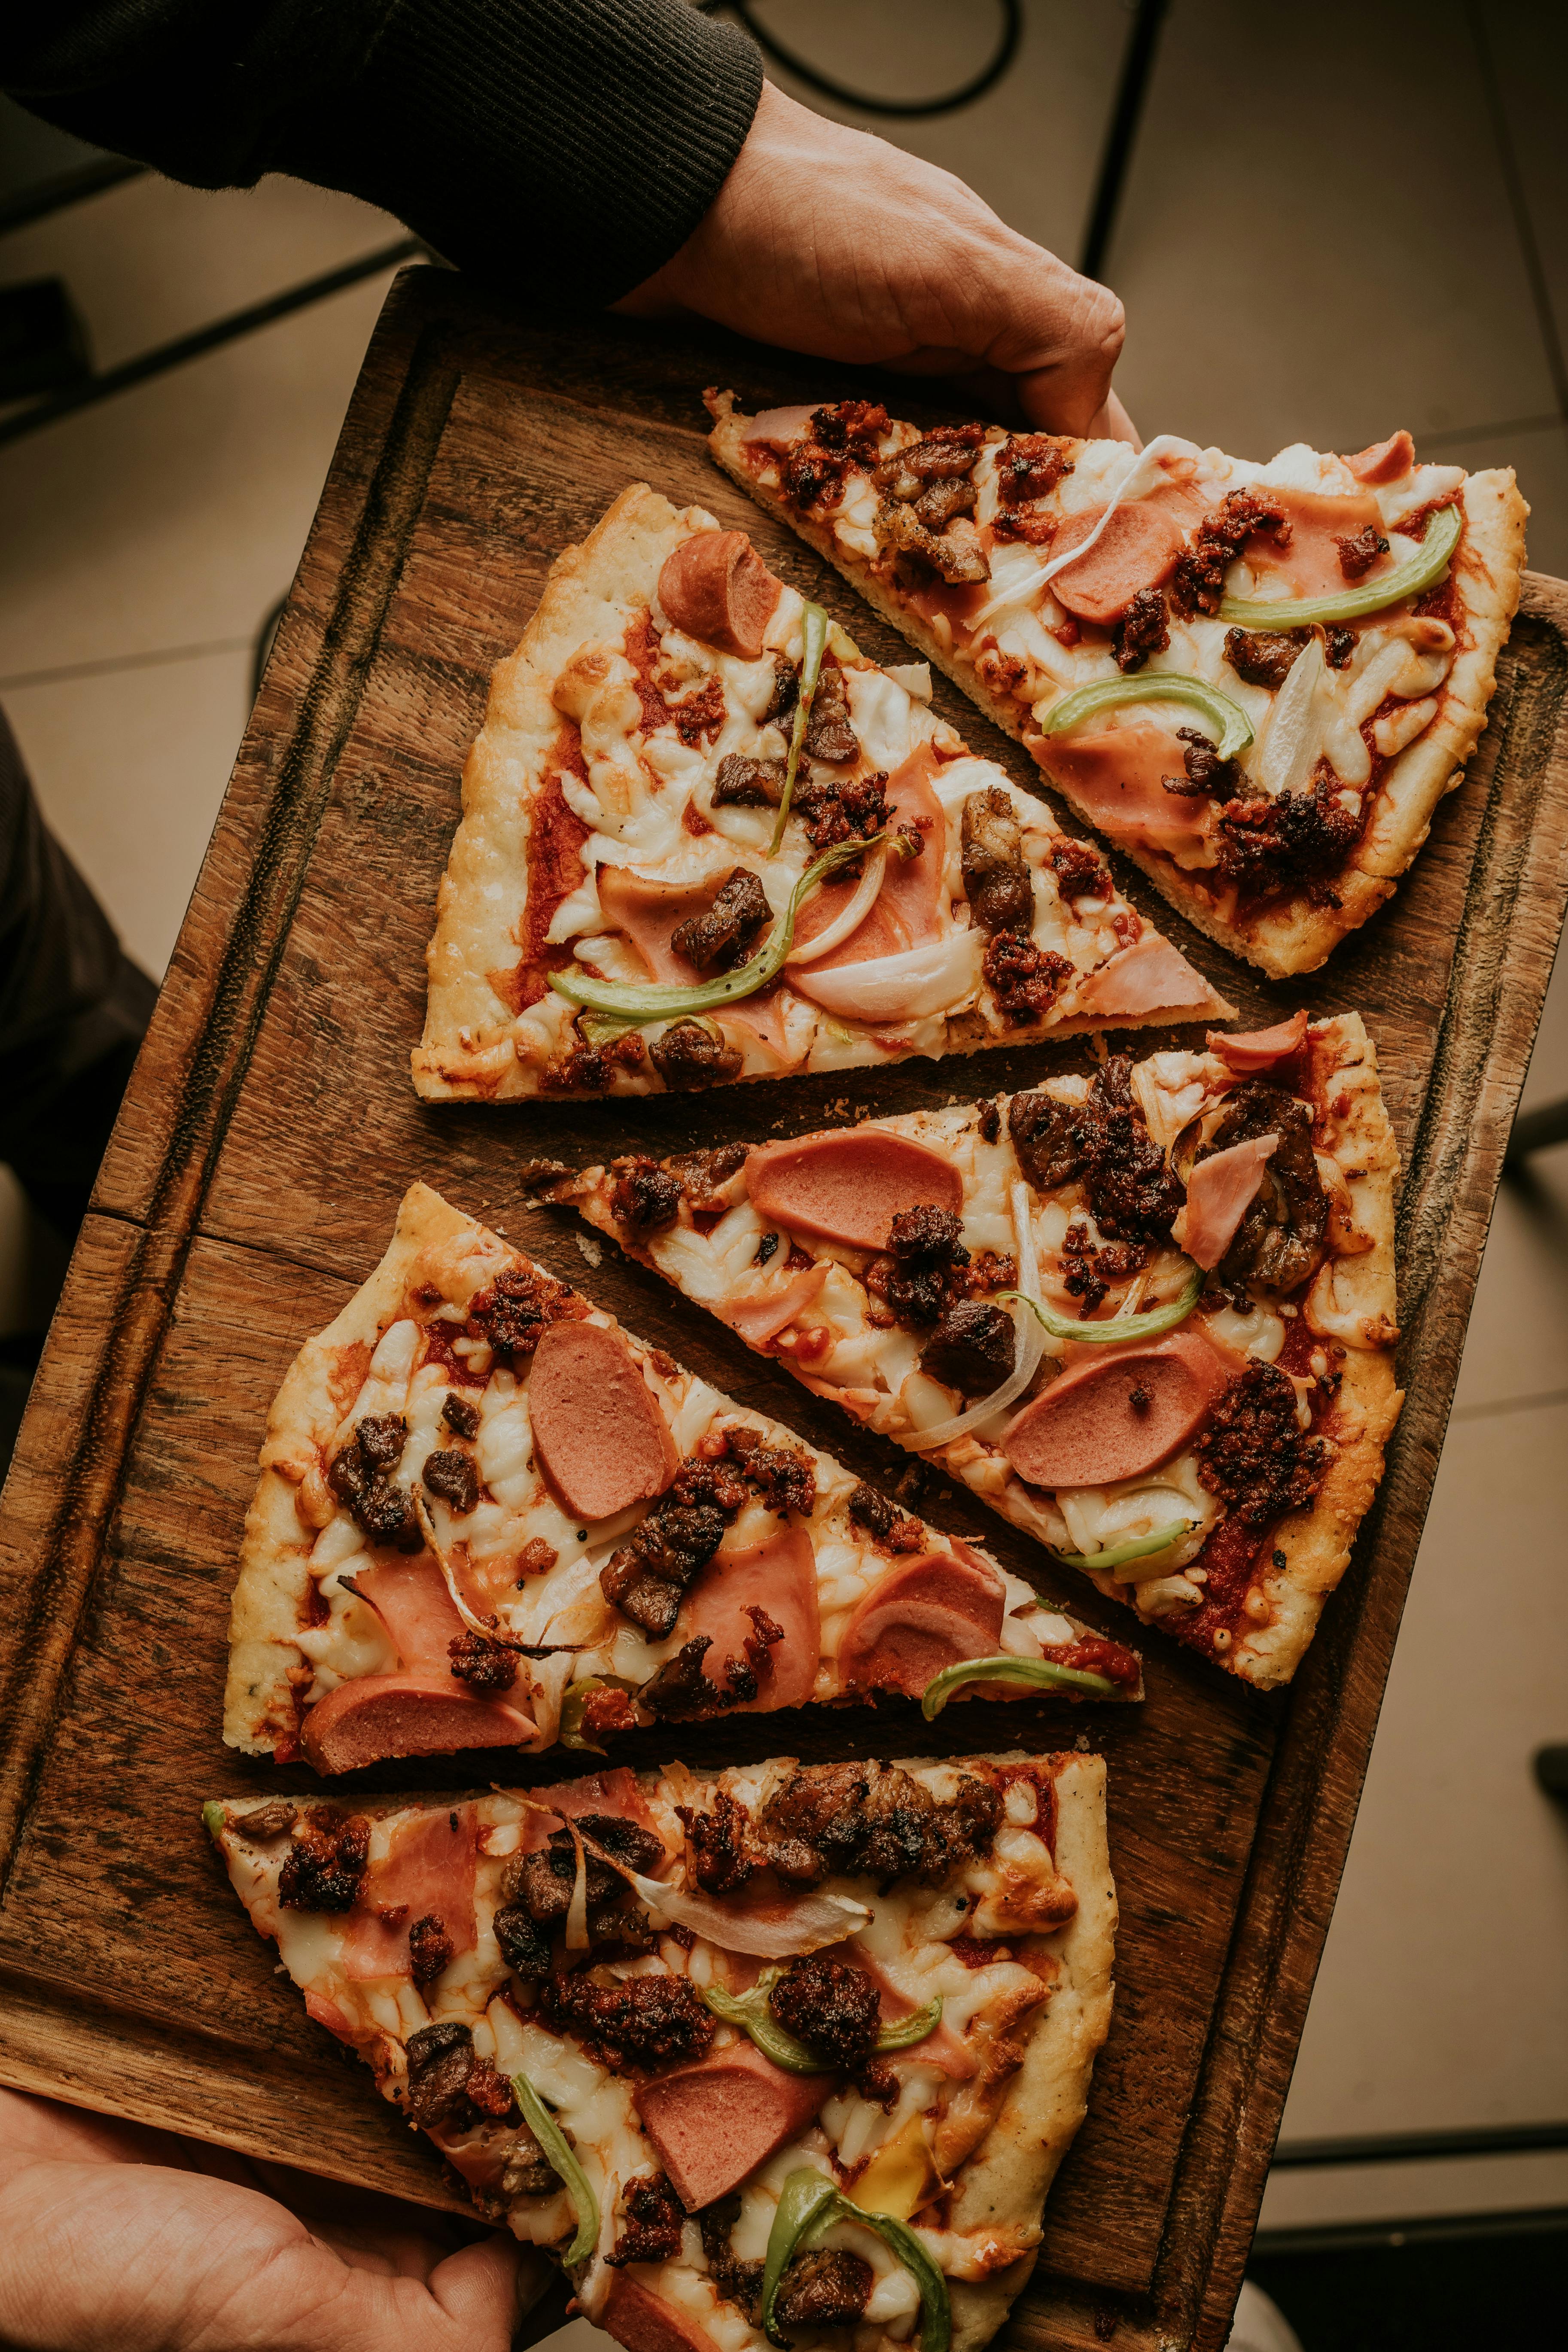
[(849, 918), (807, 1923), (577, 1910), (1144, 474), (487, 1627), (1029, 1346), (904, 987)]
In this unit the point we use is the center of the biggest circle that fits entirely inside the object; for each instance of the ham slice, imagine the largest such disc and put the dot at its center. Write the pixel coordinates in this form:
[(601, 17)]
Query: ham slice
[(848, 1185), (906, 912), (711, 2124), (1150, 976), (410, 1597), (599, 1435), (429, 1872), (1117, 1414), (1137, 550), (923, 1615), (1220, 1191), (715, 586), (1384, 461), (616, 1792), (421, 1713), (645, 2322), (758, 1320), (1309, 565), (1259, 1049), (778, 426), (778, 1575), (647, 912), (1114, 776)]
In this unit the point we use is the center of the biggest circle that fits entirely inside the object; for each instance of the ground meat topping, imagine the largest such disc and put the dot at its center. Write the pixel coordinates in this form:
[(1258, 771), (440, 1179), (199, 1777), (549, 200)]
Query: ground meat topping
[(923, 1261), (1339, 648), (863, 1820), (997, 879), (1080, 871), (512, 1312), (1358, 555), (430, 1948), (1044, 1134), (1198, 584), (1205, 776), (1089, 1272), (359, 1475), (1024, 979), (324, 1868), (726, 934), (958, 560), (701, 1176), (1133, 1192), (483, 1665), (854, 426), (1254, 1455), (828, 2287), (540, 1885), (453, 1478), (640, 2021), (834, 810), (524, 1946), (884, 1522), (832, 2005), (737, 2281), (1143, 630), (647, 1578), (462, 1415), (590, 1069), (742, 783), (971, 1348), (691, 1054), (1279, 843), (655, 2218), (718, 1842), (1279, 1240), (1029, 467), (1264, 656), (680, 1692), (645, 1195)]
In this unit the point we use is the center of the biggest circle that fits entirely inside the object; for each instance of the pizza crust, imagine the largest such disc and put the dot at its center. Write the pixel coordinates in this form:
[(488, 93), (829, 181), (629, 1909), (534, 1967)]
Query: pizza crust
[(1300, 934)]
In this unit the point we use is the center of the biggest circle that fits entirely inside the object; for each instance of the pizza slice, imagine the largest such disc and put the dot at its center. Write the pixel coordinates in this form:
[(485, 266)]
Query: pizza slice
[(490, 1517), (1146, 1316), (678, 2030), (703, 838), (1259, 681)]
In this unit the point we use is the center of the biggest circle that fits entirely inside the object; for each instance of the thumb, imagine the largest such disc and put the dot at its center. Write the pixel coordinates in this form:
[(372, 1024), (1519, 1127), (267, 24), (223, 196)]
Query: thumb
[(485, 2289)]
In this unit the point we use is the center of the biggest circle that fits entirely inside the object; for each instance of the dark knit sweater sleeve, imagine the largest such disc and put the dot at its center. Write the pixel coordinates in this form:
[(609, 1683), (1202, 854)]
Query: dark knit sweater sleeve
[(564, 147)]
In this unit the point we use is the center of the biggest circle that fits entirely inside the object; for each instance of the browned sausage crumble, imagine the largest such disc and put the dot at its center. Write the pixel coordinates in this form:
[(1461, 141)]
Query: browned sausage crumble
[(1254, 1455), (324, 1869), (654, 2217), (832, 2005), (858, 1820), (1198, 584), (639, 2021)]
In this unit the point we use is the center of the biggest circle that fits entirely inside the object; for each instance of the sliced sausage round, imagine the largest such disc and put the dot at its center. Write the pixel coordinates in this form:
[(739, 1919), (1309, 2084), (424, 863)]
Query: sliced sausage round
[(715, 586), (644, 2322), (923, 1615), (711, 2124), (1117, 1414), (1137, 549), (848, 1185), (422, 1713), (599, 1435)]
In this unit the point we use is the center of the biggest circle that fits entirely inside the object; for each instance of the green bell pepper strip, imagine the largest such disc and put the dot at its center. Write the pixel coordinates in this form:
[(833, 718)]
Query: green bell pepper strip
[(1119, 1326), (212, 1819), (1044, 1672), (669, 1000), (1419, 571), (1235, 728), (751, 2012), (810, 2204), (553, 2140), (813, 645), (1140, 1547)]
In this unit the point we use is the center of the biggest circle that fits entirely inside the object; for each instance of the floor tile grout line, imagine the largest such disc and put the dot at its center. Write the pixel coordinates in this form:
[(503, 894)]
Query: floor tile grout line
[(1510, 1405), (112, 662)]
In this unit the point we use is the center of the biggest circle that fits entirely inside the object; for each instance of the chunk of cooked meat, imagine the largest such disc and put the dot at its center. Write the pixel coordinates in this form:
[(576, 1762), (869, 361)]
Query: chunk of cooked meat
[(1198, 584), (524, 1946), (639, 2021), (453, 1478), (724, 936), (512, 1311), (828, 2287), (923, 1261), (742, 783), (854, 426), (689, 1053), (1288, 840), (699, 1177), (1024, 979), (1029, 467), (1205, 776), (484, 1665), (1080, 871), (430, 1948), (1358, 555), (462, 1415), (866, 1819), (655, 2218), (718, 1842), (782, 1477), (645, 1578), (645, 1195), (682, 1691), (737, 2281), (837, 809), (961, 561), (971, 1348), (832, 2005), (829, 735), (939, 502), (540, 1884), (1143, 630), (1133, 1190), (997, 879), (529, 2171), (786, 691), (1255, 1454), (440, 2060), (947, 453), (360, 1476), (1044, 1134), (1264, 656), (324, 1868), (884, 1522), (1280, 1239)]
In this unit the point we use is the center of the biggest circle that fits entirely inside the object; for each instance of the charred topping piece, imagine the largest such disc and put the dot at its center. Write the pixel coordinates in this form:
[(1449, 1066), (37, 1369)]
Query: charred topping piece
[(360, 1476), (1279, 1240), (737, 2281), (655, 2218), (701, 1175), (324, 1869), (647, 1578), (865, 1821), (512, 1312), (884, 1522), (1080, 871), (1254, 1455), (971, 1348), (1044, 1134), (683, 1692), (639, 2021), (645, 1195), (692, 1054), (1198, 584), (1143, 630), (830, 2004), (718, 1843), (924, 1261), (1358, 555), (462, 1415), (1264, 656), (840, 809), (483, 1665), (828, 733), (1206, 774), (725, 935), (1029, 468), (430, 1948), (1024, 979), (742, 783), (1132, 1191), (828, 2287), (961, 562), (453, 1476), (946, 455), (997, 879), (540, 1886), (448, 2084), (1277, 843)]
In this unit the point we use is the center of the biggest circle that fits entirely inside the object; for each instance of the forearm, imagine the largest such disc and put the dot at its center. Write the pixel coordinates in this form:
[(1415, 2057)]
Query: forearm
[(563, 147)]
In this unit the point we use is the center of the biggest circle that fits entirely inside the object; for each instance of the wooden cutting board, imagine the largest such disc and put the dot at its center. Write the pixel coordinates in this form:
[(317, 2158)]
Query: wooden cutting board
[(267, 1136)]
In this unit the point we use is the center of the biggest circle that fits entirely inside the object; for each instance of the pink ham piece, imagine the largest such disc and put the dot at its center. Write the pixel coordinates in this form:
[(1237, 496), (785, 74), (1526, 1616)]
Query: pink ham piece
[(1137, 550), (711, 2124), (1259, 1049), (1150, 976), (410, 1597), (778, 426), (715, 586), (599, 1435), (923, 1615), (1220, 1191), (647, 912), (1384, 461), (616, 1792), (1115, 776), (758, 1320), (1309, 565), (906, 912), (847, 1185), (1087, 1431), (421, 1713), (644, 2322), (778, 1575), (429, 1872)]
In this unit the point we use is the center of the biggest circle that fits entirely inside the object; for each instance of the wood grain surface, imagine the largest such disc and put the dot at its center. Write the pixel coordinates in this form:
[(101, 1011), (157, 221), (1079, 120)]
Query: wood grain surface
[(268, 1134)]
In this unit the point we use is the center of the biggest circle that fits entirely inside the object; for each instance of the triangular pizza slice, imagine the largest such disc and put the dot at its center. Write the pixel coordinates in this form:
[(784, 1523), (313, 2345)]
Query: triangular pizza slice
[(792, 2051), (1147, 1316), (490, 1517), (704, 839), (1257, 680)]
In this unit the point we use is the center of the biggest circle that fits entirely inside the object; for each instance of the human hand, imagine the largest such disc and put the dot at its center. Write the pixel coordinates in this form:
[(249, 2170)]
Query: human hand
[(826, 240), (117, 2237)]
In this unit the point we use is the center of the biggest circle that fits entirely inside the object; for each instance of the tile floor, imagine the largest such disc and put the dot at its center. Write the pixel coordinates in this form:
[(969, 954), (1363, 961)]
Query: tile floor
[(1304, 252)]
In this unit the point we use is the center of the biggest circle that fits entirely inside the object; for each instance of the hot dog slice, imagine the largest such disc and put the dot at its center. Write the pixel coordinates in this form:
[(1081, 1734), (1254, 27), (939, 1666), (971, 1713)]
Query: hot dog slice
[(1259, 1049), (422, 1713), (778, 1577), (714, 2122), (716, 587), (1137, 549), (1384, 461), (644, 2322), (1148, 975), (847, 1186), (924, 1615), (599, 1435), (1220, 1191), (1117, 1414)]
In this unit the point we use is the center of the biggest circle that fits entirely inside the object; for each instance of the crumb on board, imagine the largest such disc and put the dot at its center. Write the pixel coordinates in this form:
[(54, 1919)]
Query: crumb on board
[(592, 1251)]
